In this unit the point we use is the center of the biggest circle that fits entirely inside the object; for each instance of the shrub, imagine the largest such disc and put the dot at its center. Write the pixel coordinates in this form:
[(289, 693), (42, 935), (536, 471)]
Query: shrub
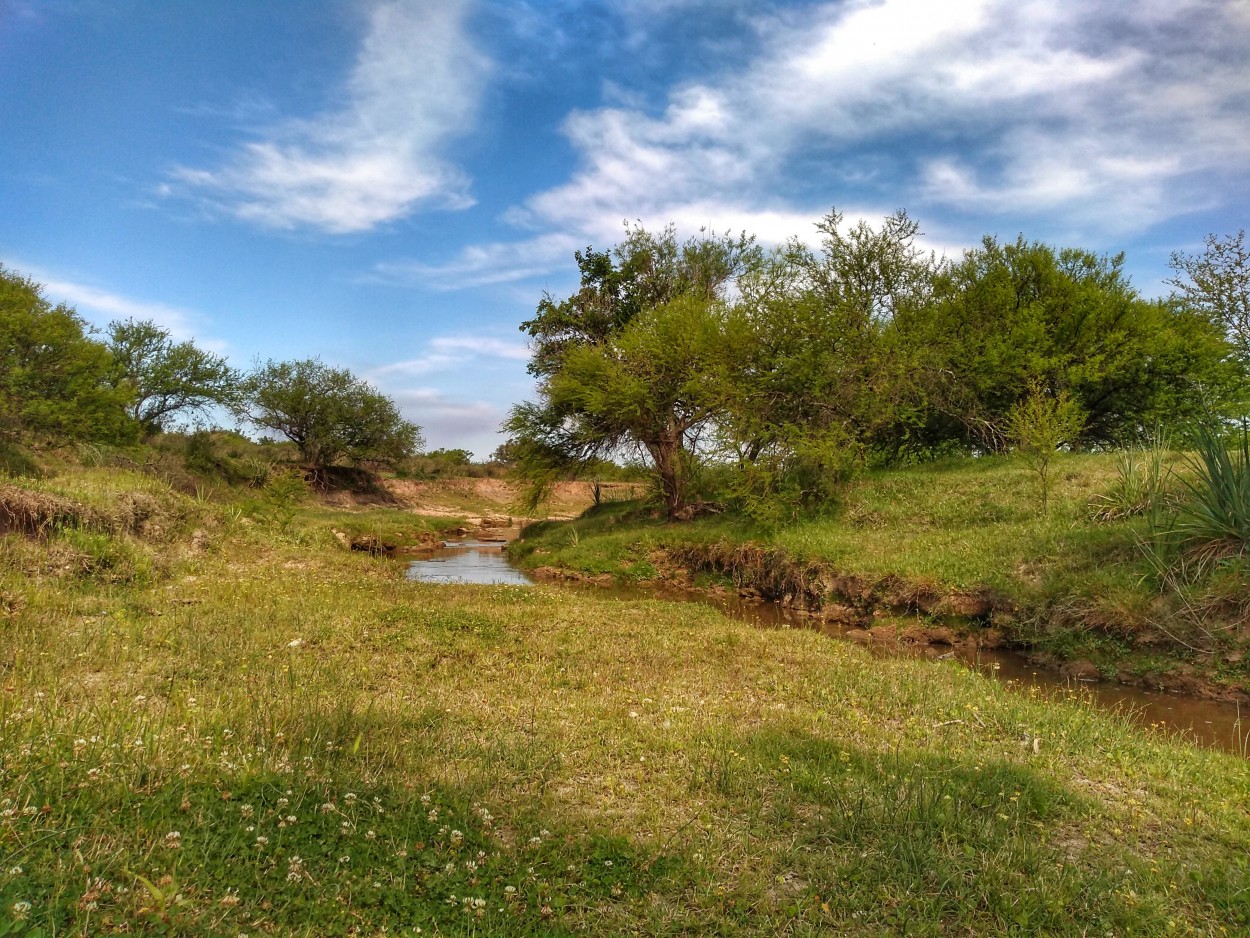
[(1141, 484), (1213, 522), (1041, 423)]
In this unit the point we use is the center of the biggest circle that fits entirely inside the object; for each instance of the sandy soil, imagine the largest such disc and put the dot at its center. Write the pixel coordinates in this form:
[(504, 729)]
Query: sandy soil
[(484, 502)]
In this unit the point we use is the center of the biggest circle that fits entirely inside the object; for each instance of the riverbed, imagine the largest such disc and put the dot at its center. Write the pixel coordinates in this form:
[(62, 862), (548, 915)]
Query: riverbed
[(1203, 722)]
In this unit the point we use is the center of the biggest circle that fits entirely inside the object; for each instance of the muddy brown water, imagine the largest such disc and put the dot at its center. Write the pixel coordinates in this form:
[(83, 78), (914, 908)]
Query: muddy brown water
[(1204, 722)]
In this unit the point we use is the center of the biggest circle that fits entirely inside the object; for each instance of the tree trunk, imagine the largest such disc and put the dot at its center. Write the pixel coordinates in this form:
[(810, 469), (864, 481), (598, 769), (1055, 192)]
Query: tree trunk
[(666, 453)]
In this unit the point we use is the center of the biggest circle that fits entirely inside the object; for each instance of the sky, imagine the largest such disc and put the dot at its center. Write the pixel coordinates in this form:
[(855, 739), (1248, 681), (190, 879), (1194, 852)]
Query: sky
[(392, 185)]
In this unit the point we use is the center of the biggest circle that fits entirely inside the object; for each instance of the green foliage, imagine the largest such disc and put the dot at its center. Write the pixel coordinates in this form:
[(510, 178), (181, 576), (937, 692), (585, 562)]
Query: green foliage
[(54, 379), (228, 456), (637, 360), (817, 382), (1217, 284), (16, 460), (1008, 314), (328, 413), (439, 464), (643, 271), (166, 378), (864, 352), (1142, 482), (1039, 425), (1213, 523), (279, 499)]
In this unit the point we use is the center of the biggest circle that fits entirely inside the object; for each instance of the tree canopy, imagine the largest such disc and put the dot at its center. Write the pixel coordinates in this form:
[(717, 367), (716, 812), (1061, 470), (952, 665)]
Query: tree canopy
[(1216, 282), (785, 370), (167, 378), (635, 359), (54, 378), (328, 413)]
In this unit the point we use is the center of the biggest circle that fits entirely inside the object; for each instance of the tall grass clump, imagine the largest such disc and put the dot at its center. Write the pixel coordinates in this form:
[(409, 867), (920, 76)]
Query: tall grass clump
[(1213, 522), (1140, 486)]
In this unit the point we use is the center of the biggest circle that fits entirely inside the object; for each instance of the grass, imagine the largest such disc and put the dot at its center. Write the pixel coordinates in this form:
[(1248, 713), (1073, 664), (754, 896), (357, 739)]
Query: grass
[(272, 736), (1078, 576)]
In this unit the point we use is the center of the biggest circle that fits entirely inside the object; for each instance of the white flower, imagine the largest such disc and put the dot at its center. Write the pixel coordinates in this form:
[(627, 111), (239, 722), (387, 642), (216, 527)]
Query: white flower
[(295, 643)]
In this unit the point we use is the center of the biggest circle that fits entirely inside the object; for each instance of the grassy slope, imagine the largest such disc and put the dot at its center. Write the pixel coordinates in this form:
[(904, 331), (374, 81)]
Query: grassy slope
[(264, 734), (965, 524), (1085, 587)]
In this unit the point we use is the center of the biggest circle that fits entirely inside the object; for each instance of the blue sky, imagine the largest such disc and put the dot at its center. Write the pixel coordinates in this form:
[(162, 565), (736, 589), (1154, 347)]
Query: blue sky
[(391, 185)]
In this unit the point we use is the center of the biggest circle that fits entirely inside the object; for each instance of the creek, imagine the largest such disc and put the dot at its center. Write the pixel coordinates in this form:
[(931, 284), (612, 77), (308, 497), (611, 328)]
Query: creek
[(1204, 722)]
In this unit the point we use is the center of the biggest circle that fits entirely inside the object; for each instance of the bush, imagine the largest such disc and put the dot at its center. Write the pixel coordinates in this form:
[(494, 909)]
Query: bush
[(1041, 423), (16, 460), (329, 414), (1140, 487), (1213, 522)]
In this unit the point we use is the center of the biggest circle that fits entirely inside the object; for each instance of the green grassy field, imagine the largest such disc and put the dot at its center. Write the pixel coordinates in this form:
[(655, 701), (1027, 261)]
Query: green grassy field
[(221, 725), (1078, 587)]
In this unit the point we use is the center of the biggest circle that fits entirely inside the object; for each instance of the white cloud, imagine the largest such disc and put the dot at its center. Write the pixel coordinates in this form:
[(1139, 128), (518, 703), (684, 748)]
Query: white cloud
[(451, 422), (1091, 117), (414, 87), (482, 264), (447, 353), (100, 307)]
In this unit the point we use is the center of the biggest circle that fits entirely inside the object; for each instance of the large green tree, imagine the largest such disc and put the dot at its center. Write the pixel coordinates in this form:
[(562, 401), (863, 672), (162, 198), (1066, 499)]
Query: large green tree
[(167, 378), (634, 359), (1006, 316), (328, 413), (818, 383), (54, 378)]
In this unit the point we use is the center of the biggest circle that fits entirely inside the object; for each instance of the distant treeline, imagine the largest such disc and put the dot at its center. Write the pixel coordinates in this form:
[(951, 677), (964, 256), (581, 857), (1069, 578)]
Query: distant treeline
[(60, 383), (780, 371)]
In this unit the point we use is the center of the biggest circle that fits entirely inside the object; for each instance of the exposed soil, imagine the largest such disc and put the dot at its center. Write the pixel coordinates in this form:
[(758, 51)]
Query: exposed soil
[(488, 503)]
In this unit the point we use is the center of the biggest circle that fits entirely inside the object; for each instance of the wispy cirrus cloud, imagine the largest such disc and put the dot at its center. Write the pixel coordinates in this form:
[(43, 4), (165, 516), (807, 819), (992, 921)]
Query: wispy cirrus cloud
[(484, 264), (415, 86), (100, 307), (1089, 118), (446, 353), (447, 420)]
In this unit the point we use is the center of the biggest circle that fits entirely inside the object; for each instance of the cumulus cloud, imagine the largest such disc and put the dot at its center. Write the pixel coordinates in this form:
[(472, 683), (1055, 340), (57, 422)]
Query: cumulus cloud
[(414, 87), (1093, 117)]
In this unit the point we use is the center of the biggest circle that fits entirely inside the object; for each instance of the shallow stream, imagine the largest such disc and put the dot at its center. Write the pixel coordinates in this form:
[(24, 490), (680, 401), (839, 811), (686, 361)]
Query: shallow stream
[(1206, 722)]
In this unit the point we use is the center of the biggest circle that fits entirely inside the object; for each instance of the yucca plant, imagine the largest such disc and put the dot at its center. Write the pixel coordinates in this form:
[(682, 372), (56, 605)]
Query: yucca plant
[(1141, 485), (1213, 522)]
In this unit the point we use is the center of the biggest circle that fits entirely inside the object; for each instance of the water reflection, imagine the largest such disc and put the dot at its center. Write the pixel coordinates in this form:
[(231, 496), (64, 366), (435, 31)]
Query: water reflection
[(467, 562)]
